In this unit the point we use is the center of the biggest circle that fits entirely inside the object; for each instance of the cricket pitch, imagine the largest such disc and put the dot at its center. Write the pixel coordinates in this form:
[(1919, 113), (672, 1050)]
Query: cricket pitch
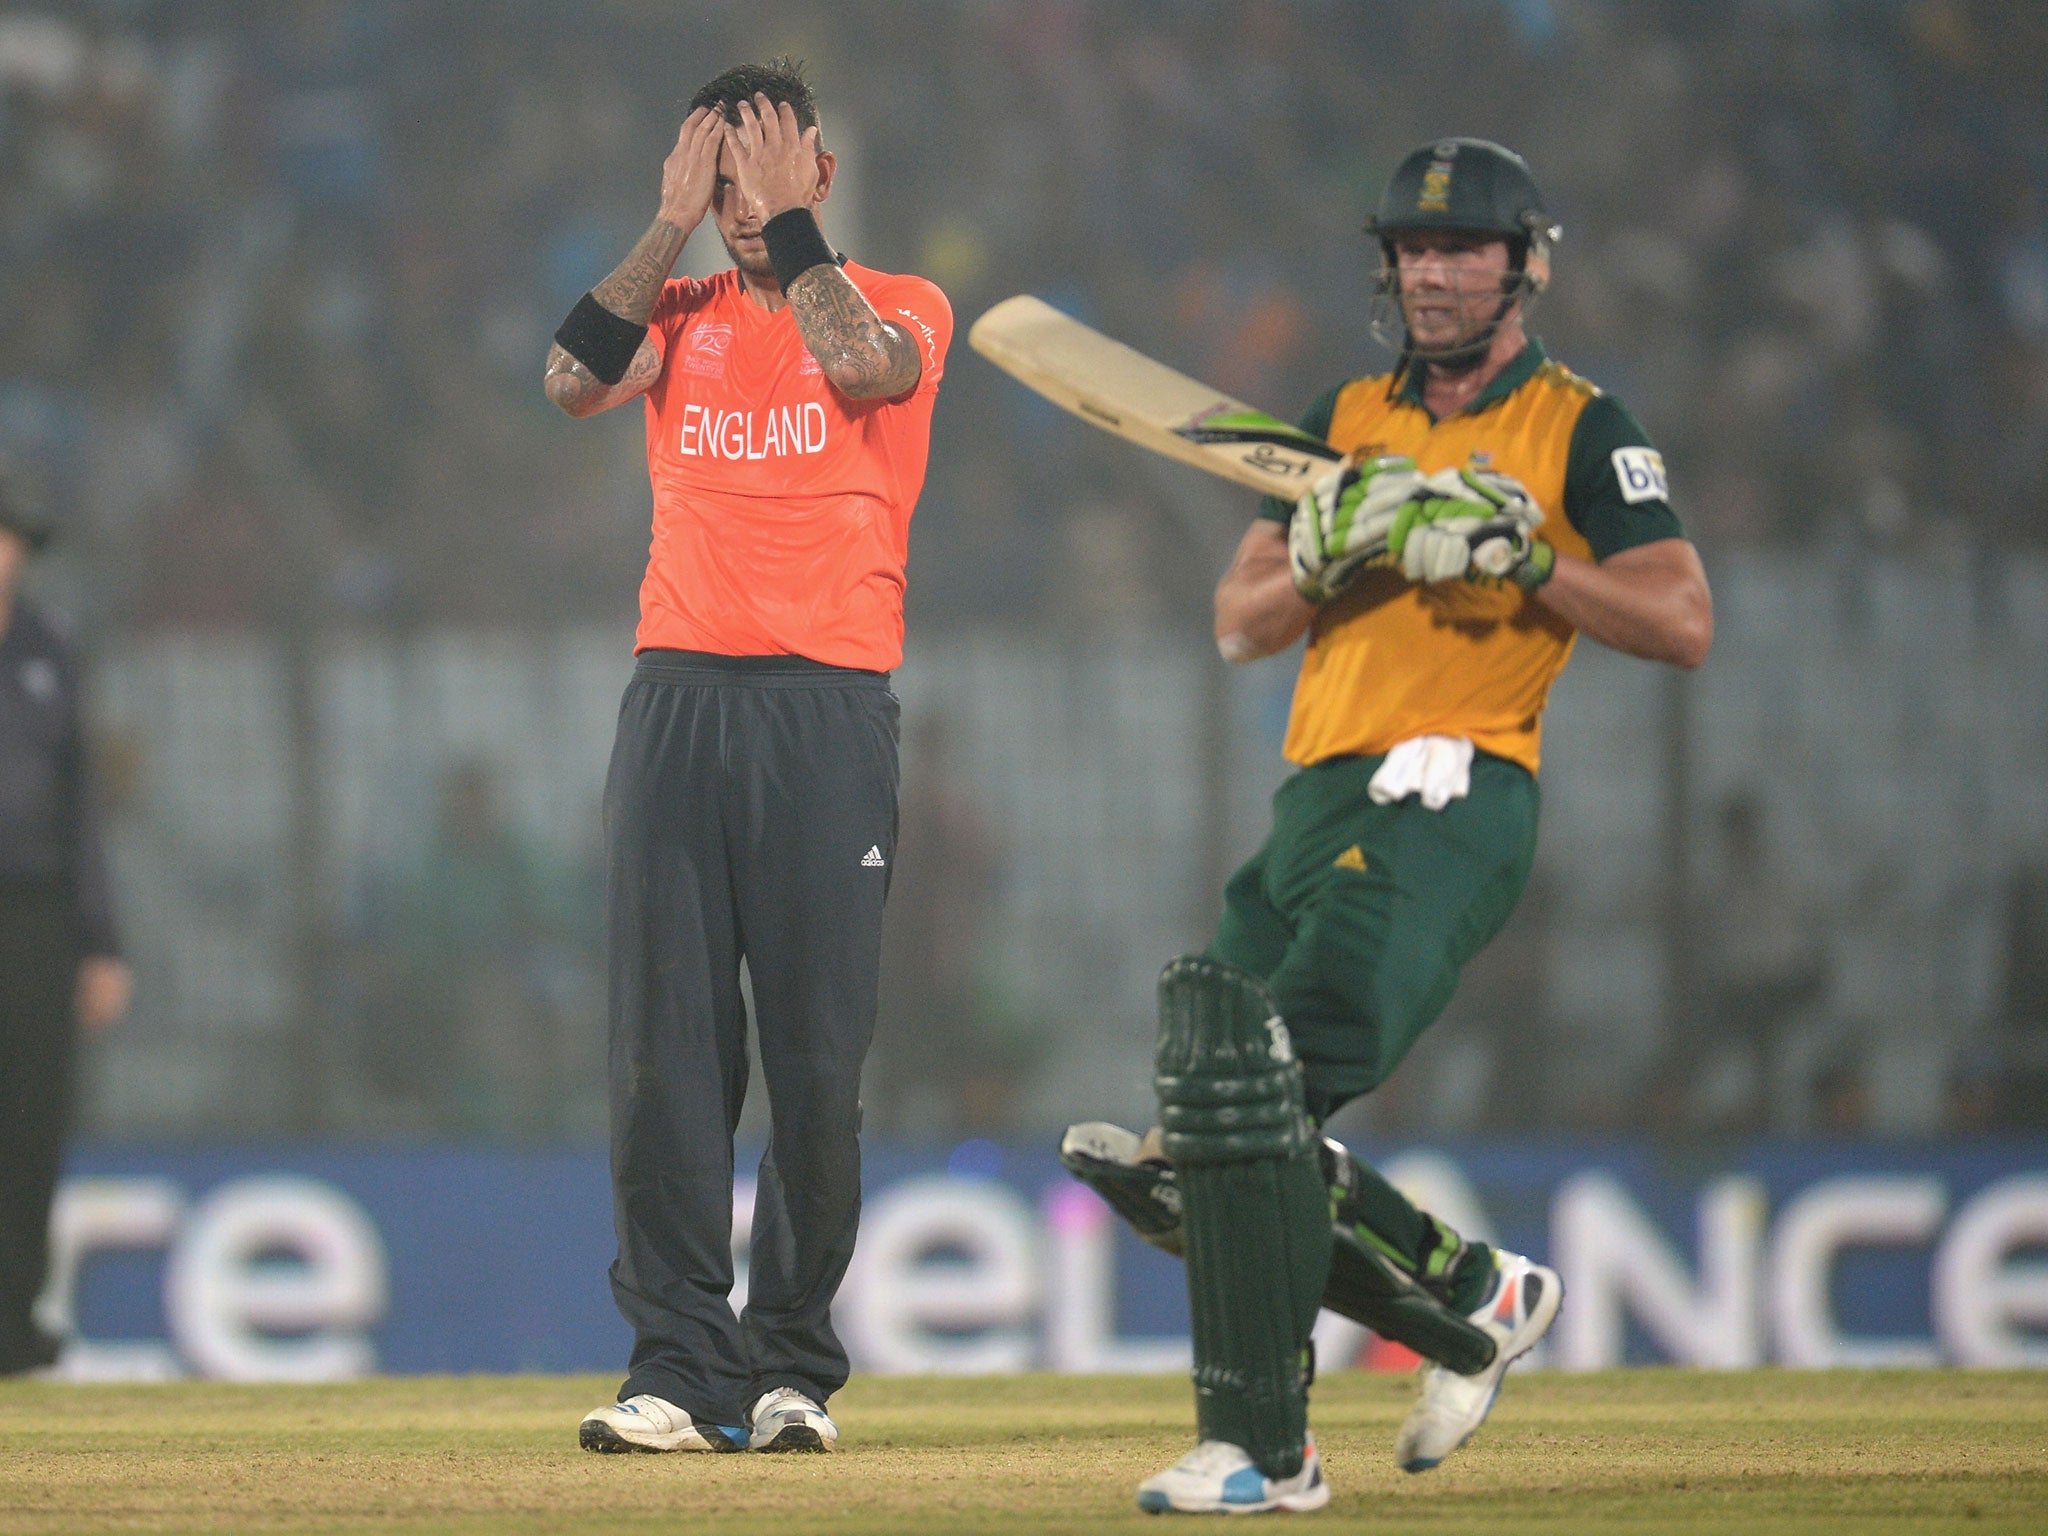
[(1753, 1452)]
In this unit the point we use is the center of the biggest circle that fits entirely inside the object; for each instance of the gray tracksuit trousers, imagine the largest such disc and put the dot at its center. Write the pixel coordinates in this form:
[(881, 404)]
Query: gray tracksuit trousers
[(750, 812)]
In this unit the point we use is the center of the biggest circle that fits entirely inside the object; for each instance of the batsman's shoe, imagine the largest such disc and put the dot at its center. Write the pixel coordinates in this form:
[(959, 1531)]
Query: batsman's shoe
[(786, 1420), (1518, 1310), (1131, 1173), (647, 1423), (1217, 1478)]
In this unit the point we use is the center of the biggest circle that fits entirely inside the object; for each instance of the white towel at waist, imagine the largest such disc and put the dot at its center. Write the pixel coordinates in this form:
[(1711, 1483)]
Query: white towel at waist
[(1438, 768)]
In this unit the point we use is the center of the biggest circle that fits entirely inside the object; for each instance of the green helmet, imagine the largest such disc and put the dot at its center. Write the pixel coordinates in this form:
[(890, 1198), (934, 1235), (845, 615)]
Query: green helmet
[(1471, 185)]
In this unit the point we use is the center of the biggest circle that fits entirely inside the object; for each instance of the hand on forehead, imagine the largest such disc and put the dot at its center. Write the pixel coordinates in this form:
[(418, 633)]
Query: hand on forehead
[(751, 121)]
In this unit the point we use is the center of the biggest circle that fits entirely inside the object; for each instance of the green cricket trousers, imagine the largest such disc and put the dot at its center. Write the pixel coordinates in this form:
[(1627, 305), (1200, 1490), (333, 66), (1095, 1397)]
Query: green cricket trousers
[(1359, 916)]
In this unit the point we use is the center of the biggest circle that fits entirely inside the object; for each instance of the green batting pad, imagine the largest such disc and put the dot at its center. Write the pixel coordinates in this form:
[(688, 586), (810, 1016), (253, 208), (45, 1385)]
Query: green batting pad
[(1398, 1270), (1367, 1287), (1144, 1193), (1255, 1211)]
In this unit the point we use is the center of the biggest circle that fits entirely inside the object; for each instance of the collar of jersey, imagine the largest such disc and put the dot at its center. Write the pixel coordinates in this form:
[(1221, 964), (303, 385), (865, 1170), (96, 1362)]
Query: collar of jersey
[(839, 259), (1511, 378)]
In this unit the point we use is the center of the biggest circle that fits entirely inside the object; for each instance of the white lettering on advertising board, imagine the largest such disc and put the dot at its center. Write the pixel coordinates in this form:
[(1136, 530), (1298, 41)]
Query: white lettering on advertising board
[(284, 1278)]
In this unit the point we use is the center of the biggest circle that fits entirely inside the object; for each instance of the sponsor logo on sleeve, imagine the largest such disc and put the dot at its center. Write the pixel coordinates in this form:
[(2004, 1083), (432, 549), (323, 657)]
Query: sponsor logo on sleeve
[(1641, 474), (931, 337)]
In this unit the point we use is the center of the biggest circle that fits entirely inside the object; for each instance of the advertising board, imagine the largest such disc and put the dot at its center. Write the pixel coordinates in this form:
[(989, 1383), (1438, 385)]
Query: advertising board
[(296, 1263)]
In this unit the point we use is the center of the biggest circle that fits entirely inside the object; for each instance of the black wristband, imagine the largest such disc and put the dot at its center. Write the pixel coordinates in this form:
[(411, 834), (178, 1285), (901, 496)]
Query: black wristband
[(600, 340), (795, 245)]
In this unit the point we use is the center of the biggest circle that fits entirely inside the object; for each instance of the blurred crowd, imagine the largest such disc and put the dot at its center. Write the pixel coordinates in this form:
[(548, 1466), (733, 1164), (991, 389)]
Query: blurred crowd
[(281, 274), (1763, 1048)]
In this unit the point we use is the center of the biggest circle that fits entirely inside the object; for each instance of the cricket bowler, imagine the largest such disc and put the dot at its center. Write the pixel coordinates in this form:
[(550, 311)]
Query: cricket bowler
[(750, 809)]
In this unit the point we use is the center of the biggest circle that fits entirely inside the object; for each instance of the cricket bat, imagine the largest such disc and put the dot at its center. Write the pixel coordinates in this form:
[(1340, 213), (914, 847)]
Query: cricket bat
[(1125, 392)]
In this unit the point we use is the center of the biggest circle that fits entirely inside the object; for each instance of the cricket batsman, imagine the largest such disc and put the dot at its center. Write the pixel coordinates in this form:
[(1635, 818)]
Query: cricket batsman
[(1493, 506)]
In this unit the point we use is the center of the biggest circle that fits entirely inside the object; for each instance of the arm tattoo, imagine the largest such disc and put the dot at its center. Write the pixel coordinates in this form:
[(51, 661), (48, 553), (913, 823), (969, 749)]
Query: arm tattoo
[(863, 355), (579, 392), (641, 372), (630, 293), (636, 282)]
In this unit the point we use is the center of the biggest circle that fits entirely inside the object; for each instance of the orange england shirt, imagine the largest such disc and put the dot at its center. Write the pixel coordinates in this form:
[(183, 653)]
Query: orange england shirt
[(781, 507)]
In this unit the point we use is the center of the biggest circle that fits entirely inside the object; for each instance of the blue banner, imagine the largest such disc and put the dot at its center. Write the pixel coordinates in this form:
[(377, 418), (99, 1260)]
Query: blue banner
[(304, 1263)]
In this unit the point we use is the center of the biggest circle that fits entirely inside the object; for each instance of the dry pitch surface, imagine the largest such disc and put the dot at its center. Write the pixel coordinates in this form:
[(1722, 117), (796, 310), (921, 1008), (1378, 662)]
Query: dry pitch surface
[(1640, 1451)]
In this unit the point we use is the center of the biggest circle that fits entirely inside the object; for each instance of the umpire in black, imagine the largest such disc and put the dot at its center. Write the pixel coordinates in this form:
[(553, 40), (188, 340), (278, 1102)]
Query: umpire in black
[(60, 968)]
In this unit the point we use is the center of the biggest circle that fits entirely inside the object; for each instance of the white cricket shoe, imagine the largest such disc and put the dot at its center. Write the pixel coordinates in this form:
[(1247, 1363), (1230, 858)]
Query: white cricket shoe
[(646, 1423), (1217, 1477), (1517, 1311), (786, 1420)]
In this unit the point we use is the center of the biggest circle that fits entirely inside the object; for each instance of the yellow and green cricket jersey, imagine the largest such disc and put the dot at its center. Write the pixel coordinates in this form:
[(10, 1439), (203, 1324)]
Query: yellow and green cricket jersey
[(1391, 659)]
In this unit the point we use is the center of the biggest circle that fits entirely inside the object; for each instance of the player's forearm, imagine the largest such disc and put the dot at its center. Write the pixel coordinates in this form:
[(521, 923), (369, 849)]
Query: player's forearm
[(1651, 601), (635, 283), (579, 392), (630, 292), (1258, 611), (864, 356)]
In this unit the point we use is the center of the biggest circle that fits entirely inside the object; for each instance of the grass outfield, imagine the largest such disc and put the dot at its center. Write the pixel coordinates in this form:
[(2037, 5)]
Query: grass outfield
[(1636, 1451)]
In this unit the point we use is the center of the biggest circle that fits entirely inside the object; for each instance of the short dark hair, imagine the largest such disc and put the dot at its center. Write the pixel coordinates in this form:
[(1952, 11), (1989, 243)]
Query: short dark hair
[(781, 79)]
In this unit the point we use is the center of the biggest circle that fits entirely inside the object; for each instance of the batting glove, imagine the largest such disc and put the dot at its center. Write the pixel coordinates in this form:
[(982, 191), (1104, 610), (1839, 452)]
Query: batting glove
[(1472, 524), (1341, 525), (1508, 549)]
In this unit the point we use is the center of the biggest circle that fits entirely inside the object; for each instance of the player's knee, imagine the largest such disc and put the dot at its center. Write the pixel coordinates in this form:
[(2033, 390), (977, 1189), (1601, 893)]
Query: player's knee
[(823, 1090), (1362, 1025)]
